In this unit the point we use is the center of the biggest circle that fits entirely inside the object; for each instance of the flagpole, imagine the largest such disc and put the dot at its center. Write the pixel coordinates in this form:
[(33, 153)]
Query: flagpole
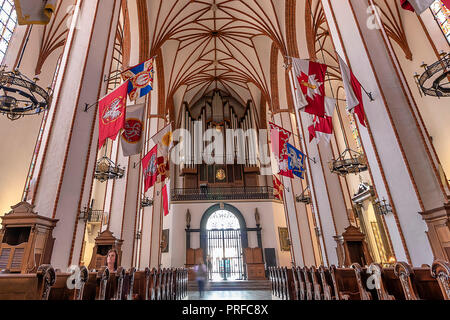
[(321, 240)]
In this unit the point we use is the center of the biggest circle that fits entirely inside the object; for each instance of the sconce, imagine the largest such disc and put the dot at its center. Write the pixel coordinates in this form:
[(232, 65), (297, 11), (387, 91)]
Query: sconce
[(383, 207)]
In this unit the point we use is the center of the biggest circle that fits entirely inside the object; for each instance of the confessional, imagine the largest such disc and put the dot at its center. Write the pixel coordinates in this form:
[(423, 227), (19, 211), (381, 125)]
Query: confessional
[(26, 240), (103, 243)]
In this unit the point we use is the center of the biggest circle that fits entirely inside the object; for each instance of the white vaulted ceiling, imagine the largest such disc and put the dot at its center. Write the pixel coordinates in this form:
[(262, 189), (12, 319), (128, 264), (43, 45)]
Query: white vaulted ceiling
[(211, 45)]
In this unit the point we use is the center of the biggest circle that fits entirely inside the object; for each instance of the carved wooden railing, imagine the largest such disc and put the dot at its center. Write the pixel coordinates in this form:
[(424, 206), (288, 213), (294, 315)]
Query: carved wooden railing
[(226, 193)]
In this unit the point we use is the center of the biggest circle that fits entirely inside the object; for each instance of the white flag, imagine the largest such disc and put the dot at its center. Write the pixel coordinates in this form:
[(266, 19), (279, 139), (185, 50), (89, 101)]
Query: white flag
[(133, 134), (298, 67), (419, 5), (164, 140), (34, 12)]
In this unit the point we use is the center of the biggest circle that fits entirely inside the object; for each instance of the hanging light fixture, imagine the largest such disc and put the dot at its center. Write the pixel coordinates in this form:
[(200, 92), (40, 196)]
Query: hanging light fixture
[(20, 96), (146, 202), (106, 170), (305, 197), (349, 162), (434, 81)]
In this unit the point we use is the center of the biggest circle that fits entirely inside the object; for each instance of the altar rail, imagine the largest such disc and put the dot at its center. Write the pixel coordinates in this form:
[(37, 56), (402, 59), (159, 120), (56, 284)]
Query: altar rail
[(226, 193)]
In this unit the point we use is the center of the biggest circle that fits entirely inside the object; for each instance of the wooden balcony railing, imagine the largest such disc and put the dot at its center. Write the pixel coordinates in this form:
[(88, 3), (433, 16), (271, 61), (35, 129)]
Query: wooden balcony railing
[(226, 193)]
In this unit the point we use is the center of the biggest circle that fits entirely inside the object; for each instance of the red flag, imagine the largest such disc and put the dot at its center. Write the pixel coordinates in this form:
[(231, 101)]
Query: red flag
[(163, 168), (323, 127), (112, 114), (279, 138), (353, 92), (166, 200), (309, 80), (150, 167), (312, 132), (277, 188)]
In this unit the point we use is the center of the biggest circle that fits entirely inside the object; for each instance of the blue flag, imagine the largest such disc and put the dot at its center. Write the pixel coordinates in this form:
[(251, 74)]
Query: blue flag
[(140, 79), (296, 161)]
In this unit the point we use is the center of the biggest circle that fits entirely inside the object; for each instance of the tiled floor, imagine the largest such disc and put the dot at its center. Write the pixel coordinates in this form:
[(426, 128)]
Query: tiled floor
[(232, 295)]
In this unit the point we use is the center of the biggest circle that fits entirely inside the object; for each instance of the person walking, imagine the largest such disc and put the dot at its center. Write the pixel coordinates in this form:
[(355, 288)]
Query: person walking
[(210, 267), (200, 277)]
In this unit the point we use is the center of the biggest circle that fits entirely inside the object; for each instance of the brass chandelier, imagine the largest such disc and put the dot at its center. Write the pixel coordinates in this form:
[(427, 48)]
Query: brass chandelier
[(106, 169), (349, 162)]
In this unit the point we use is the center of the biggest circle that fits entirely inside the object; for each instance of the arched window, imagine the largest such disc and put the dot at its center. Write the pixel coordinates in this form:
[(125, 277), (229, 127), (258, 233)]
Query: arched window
[(222, 219), (8, 22), (442, 16)]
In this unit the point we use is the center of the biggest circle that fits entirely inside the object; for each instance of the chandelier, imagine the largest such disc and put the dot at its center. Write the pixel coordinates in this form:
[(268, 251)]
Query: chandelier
[(349, 162), (434, 81), (305, 197), (106, 170), (20, 96)]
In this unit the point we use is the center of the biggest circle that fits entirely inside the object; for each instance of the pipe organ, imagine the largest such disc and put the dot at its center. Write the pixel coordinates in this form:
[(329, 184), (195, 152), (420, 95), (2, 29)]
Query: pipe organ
[(236, 160)]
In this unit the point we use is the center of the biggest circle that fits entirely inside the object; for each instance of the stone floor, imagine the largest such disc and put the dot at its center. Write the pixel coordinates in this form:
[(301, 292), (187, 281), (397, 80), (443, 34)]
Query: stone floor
[(232, 295)]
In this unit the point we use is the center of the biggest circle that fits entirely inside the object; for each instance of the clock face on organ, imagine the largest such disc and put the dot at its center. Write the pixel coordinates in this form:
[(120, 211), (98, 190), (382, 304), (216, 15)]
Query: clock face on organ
[(220, 175)]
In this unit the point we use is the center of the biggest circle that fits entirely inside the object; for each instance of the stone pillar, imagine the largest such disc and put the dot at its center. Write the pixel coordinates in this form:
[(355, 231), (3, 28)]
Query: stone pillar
[(399, 151), (65, 165)]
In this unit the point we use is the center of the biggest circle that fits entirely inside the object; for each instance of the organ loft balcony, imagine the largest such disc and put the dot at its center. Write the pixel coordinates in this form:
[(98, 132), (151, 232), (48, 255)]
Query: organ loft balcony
[(206, 193)]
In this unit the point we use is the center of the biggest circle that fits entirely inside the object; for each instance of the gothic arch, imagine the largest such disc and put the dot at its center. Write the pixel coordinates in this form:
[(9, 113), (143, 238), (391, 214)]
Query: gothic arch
[(209, 212)]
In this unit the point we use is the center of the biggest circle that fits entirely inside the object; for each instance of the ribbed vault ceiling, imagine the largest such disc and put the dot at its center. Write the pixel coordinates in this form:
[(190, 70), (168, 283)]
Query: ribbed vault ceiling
[(221, 45)]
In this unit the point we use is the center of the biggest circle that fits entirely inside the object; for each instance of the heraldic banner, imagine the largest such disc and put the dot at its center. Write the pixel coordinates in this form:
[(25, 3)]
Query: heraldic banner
[(133, 134), (112, 114), (150, 167), (279, 138)]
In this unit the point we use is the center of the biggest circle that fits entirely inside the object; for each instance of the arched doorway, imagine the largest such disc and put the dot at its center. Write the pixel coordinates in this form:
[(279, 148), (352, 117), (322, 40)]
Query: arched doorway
[(223, 237)]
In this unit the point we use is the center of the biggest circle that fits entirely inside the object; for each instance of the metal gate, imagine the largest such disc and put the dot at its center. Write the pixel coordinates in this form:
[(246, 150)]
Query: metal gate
[(225, 251)]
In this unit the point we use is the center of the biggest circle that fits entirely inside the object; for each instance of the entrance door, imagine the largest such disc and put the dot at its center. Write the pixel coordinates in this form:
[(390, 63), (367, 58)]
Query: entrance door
[(224, 247)]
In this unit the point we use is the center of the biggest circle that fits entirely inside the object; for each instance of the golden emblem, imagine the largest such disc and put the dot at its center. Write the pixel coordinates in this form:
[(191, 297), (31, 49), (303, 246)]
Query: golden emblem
[(220, 175)]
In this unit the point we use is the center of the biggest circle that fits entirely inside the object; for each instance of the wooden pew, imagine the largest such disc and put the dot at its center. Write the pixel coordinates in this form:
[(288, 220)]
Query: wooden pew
[(141, 285), (301, 281), (153, 284), (128, 284), (158, 289), (271, 280), (317, 287), (440, 270), (34, 286), (279, 283), (289, 283), (327, 284), (381, 282), (69, 286), (403, 272), (346, 283), (308, 283), (296, 283), (362, 276), (418, 283)]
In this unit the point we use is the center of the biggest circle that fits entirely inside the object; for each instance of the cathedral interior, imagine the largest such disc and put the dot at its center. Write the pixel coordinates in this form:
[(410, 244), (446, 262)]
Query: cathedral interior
[(370, 197)]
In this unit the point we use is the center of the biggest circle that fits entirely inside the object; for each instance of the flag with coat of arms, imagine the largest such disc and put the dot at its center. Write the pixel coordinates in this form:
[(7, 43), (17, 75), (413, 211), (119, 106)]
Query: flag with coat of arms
[(296, 161), (140, 79)]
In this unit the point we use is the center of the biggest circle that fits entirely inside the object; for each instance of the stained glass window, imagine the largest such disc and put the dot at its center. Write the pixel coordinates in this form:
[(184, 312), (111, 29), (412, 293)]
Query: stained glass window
[(8, 22), (442, 16), (223, 219)]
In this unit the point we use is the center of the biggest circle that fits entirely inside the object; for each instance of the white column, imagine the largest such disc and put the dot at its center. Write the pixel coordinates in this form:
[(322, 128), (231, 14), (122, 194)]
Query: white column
[(67, 162)]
